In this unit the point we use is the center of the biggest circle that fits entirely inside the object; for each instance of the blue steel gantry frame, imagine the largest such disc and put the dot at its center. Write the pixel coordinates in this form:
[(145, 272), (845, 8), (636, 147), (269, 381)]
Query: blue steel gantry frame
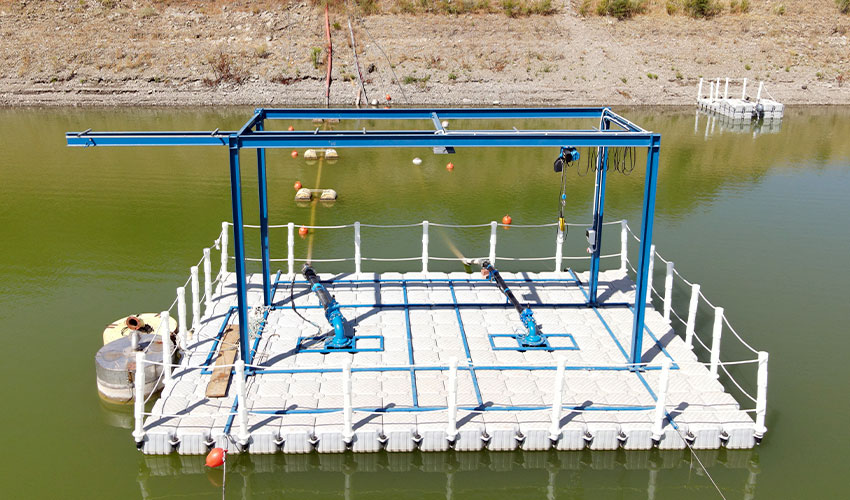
[(254, 136)]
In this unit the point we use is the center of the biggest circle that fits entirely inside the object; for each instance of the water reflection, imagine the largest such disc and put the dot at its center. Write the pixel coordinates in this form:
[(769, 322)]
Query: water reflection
[(585, 474), (725, 124)]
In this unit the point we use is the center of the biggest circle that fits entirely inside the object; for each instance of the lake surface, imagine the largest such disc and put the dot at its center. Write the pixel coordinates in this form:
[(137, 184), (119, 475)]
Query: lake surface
[(759, 217)]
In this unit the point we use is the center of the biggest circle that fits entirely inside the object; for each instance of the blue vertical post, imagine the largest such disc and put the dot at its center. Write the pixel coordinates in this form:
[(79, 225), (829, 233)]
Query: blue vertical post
[(598, 210), (239, 249), (264, 219), (643, 253)]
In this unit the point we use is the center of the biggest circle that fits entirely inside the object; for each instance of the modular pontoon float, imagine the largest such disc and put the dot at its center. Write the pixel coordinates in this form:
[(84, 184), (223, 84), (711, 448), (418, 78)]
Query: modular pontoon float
[(429, 360)]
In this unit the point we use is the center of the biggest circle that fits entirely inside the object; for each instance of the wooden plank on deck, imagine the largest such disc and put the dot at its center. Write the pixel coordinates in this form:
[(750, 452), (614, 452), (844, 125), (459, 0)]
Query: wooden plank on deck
[(220, 379)]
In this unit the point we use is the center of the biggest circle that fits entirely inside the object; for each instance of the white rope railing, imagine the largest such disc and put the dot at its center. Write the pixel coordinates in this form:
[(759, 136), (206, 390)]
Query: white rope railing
[(714, 364), (719, 321)]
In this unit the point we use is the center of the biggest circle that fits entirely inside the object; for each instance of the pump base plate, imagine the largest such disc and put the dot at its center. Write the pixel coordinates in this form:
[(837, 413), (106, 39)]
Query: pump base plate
[(569, 345), (359, 343)]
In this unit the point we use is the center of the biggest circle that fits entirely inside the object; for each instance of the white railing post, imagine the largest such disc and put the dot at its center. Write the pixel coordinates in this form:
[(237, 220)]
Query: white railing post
[(715, 339), (557, 401), (559, 250), (357, 256), (649, 272), (451, 428), (207, 283), (668, 292), (744, 90), (224, 244), (347, 429), (139, 404), (710, 91), (761, 395), (425, 246), (290, 247), (243, 436), (165, 335), (726, 89), (181, 317), (624, 246), (196, 299), (717, 89), (661, 402), (692, 316), (493, 227), (758, 94), (699, 90)]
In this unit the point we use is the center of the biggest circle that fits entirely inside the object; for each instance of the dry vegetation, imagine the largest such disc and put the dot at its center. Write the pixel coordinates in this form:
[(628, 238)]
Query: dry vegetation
[(434, 51)]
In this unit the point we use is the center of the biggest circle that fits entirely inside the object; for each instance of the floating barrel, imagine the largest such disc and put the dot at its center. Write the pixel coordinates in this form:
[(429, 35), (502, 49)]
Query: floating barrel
[(303, 194), (115, 364)]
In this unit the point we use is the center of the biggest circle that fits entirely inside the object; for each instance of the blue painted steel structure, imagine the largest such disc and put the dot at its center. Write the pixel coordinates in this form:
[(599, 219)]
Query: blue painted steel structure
[(253, 135)]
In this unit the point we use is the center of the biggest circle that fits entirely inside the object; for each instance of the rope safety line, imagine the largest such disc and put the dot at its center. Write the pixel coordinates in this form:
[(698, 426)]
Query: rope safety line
[(418, 224), (701, 294)]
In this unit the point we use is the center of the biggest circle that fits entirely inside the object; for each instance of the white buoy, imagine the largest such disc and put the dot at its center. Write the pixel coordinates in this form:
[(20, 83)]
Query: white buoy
[(331, 154), (417, 161), (310, 154), (445, 124), (374, 102)]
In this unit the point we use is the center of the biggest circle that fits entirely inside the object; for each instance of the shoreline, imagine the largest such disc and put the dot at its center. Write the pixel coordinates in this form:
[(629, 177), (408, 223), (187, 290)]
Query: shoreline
[(197, 54), (458, 95)]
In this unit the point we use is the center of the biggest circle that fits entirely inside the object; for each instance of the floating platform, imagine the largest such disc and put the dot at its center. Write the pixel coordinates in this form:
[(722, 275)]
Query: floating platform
[(409, 328), (744, 108)]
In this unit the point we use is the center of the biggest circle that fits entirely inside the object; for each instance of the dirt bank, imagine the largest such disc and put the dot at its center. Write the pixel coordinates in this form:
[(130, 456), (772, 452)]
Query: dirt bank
[(118, 52)]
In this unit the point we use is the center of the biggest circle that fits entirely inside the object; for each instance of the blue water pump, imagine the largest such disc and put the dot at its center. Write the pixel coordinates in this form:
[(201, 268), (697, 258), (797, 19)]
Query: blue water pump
[(531, 339), (332, 312)]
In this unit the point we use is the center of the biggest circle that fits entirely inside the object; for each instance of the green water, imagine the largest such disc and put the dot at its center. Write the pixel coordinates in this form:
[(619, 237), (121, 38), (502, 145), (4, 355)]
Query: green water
[(90, 235)]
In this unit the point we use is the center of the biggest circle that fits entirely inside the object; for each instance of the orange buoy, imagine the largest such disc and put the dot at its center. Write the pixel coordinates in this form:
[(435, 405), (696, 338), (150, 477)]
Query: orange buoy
[(389, 98), (216, 457), (450, 166), (506, 220), (291, 128), (303, 231), (297, 185), (295, 154)]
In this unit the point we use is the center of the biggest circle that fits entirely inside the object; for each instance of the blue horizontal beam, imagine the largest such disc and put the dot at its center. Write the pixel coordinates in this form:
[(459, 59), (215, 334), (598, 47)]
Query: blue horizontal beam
[(466, 138), (426, 113), (86, 139), (382, 139)]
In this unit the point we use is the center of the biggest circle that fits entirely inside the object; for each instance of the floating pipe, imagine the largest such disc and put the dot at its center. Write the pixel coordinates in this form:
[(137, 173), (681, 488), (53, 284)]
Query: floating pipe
[(134, 323), (332, 313)]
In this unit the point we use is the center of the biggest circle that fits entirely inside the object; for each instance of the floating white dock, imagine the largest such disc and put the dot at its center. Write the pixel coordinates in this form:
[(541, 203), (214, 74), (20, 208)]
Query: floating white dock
[(743, 108), (400, 392)]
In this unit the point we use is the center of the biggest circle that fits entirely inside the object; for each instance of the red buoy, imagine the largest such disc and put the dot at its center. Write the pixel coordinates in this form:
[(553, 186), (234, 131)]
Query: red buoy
[(291, 128), (506, 220), (450, 166), (295, 154), (389, 98), (297, 185), (216, 457), (303, 231)]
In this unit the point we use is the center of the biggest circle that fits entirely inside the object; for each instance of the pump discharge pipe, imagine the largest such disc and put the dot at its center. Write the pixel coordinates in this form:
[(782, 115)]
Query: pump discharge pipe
[(533, 338), (332, 312)]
